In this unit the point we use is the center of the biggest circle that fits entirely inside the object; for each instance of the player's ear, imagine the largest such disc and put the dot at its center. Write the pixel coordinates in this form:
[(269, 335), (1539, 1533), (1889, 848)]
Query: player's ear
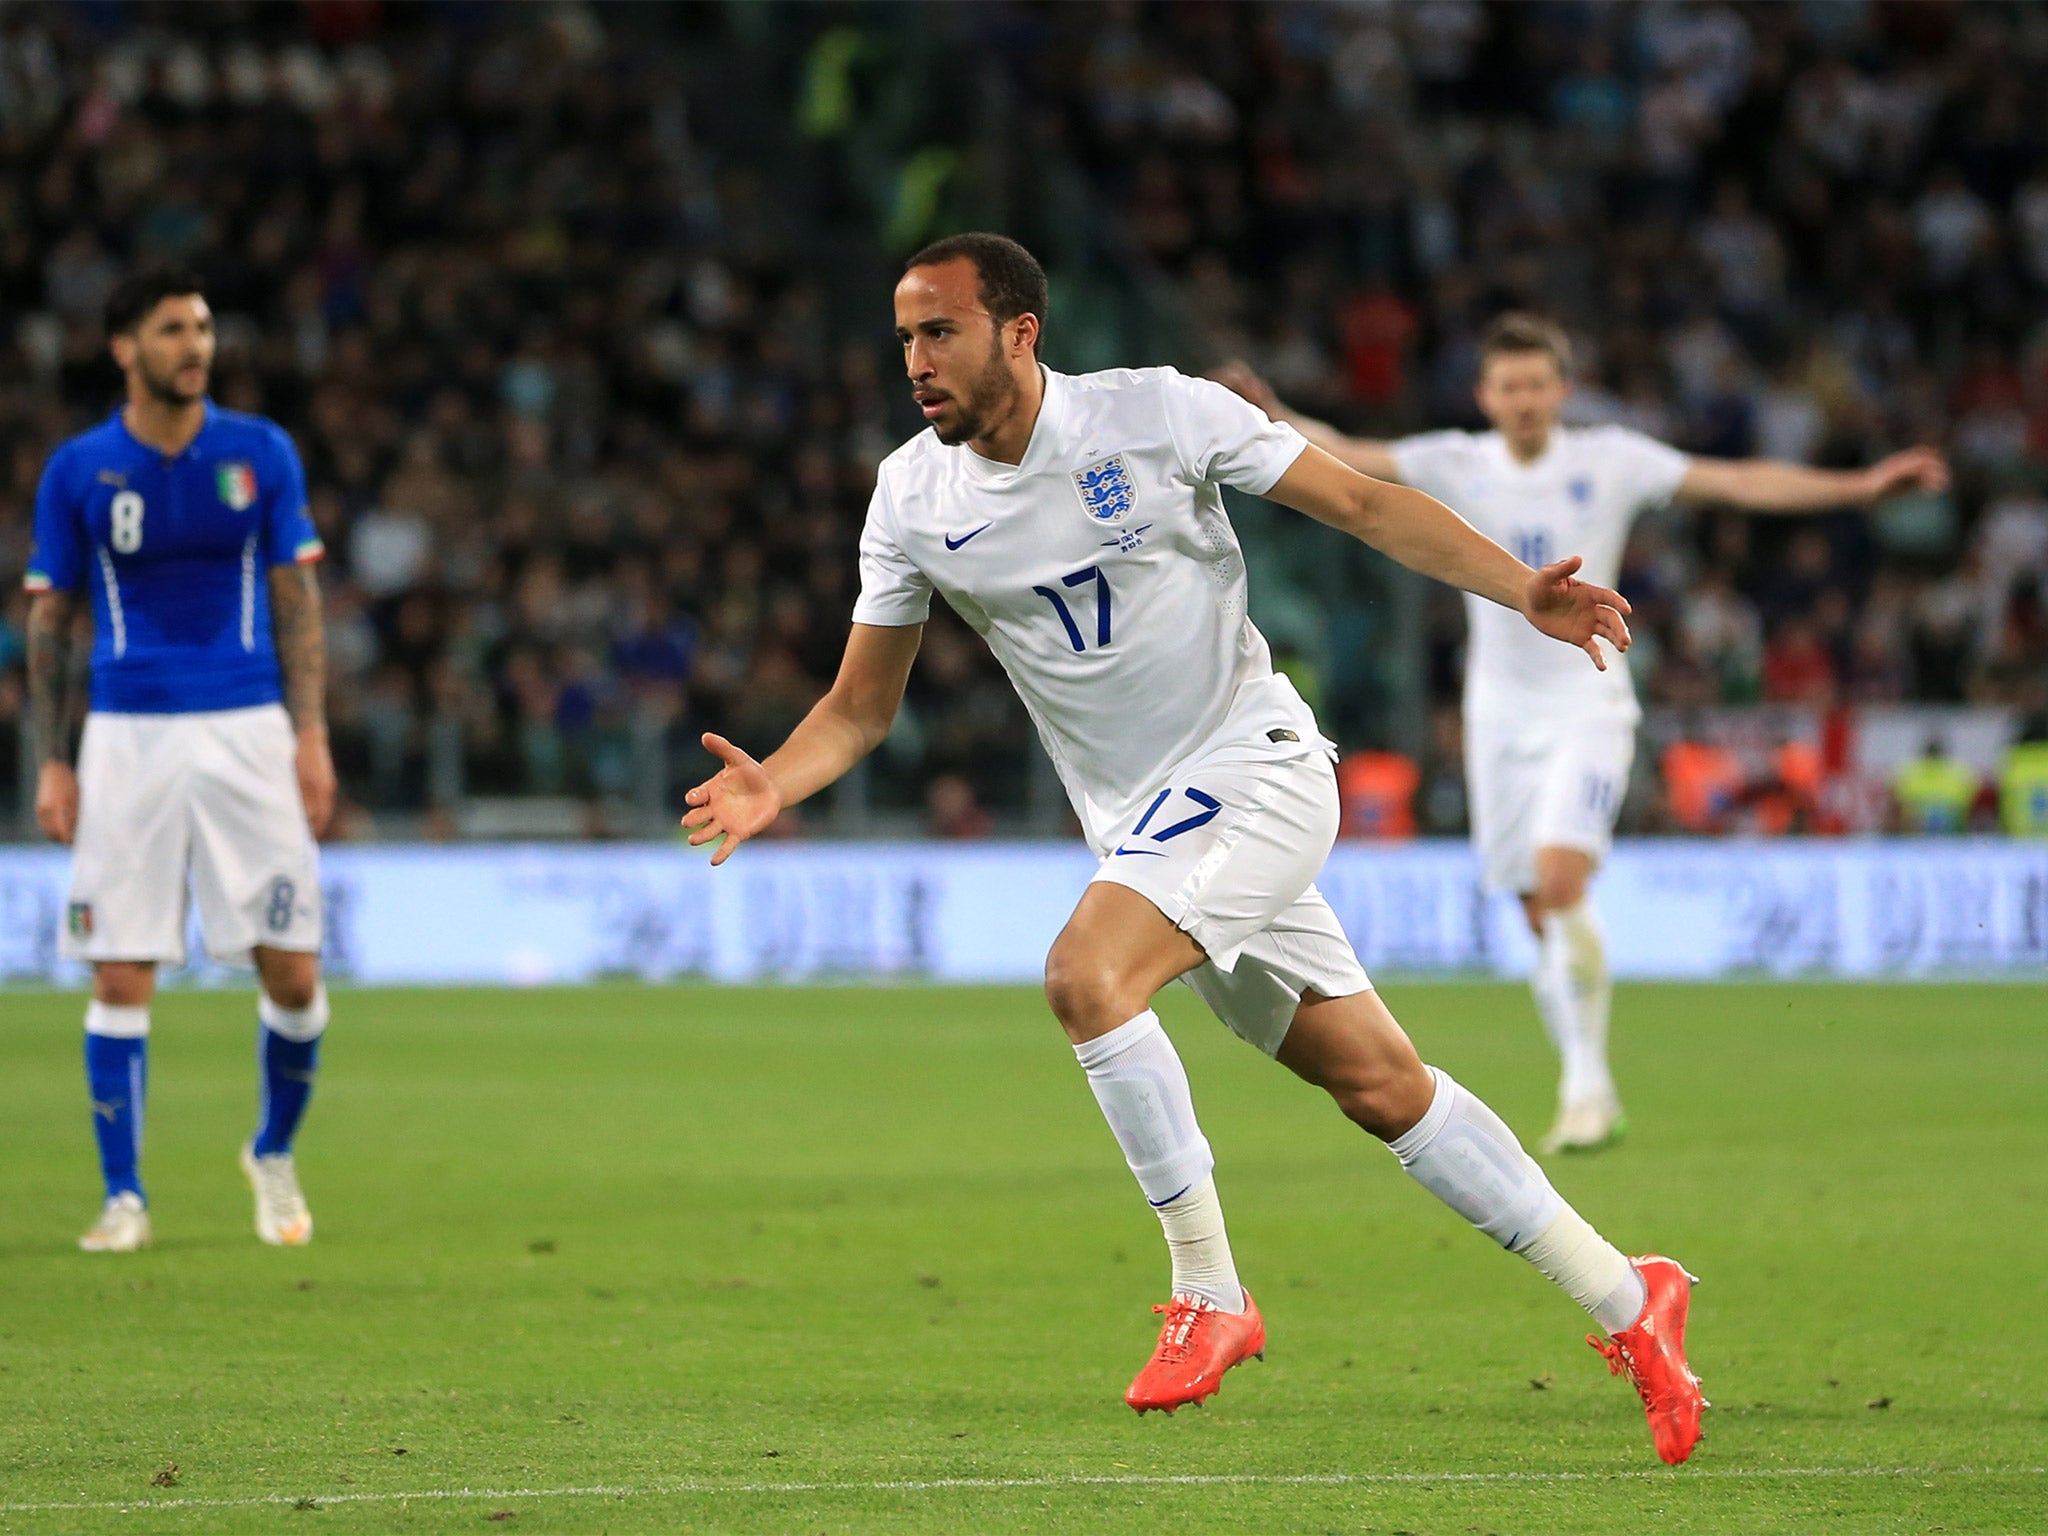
[(1025, 335), (122, 345)]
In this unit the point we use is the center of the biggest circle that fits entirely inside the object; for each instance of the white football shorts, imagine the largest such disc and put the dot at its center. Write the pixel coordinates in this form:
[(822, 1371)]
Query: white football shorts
[(1559, 784), (1229, 851), (213, 796)]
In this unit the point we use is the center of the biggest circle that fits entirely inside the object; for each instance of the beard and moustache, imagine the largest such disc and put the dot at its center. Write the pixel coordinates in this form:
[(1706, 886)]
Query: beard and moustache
[(993, 393), (164, 388)]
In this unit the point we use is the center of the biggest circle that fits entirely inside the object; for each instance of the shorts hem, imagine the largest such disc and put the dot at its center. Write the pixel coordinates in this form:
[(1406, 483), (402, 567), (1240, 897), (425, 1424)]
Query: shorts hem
[(245, 955), (78, 956), (1223, 956)]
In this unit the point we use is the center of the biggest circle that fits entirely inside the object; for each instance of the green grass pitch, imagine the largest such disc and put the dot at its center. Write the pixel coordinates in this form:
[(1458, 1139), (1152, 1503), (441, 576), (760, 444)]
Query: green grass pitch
[(867, 1260)]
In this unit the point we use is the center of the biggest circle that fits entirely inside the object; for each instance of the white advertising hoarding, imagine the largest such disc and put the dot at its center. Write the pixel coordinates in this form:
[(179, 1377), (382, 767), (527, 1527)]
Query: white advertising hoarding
[(532, 914)]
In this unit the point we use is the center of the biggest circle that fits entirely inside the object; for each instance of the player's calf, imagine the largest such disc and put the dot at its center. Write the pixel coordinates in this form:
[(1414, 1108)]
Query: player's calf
[(1351, 1048)]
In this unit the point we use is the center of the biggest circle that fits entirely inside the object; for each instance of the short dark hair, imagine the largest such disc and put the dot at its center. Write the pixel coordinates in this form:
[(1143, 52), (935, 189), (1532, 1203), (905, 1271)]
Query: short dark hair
[(137, 294), (1520, 332), (1011, 282)]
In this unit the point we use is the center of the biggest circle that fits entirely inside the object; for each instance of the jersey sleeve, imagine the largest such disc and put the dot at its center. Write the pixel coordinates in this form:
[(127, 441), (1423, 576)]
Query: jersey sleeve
[(893, 591), (288, 523), (1223, 438), (1429, 462), (1652, 471), (56, 558)]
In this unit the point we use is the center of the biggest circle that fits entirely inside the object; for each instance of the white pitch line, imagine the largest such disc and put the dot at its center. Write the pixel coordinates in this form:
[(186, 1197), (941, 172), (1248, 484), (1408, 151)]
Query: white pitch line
[(940, 1484)]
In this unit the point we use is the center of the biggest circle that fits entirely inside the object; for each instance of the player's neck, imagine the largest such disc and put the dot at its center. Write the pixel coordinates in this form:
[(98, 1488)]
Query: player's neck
[(1012, 435), (1527, 451), (167, 428)]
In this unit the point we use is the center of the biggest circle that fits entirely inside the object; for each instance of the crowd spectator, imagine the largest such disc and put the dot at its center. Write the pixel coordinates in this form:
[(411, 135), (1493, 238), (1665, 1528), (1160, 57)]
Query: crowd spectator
[(590, 444), (1812, 232), (588, 453)]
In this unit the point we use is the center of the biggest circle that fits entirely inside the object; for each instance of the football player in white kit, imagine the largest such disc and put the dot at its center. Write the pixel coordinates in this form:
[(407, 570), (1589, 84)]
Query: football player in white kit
[(1549, 743), (1077, 524)]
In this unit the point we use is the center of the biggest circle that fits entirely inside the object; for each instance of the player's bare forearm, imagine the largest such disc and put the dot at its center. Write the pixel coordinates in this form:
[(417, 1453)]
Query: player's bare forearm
[(851, 720), (1428, 537), (744, 797), (1772, 486), (301, 636), (821, 750), (1403, 524), (49, 674)]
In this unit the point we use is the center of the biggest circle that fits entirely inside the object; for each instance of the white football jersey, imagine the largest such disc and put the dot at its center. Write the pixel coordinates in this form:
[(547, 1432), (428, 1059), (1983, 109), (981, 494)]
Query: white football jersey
[(1104, 575), (1579, 498)]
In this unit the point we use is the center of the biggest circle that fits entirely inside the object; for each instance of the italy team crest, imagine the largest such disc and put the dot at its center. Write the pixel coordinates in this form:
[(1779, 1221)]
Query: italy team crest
[(237, 484), (1107, 490)]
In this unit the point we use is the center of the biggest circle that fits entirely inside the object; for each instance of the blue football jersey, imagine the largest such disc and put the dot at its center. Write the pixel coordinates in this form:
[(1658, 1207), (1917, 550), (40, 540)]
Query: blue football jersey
[(177, 552)]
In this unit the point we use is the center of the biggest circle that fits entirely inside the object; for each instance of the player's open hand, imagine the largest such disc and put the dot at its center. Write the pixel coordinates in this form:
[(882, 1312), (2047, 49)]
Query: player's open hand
[(57, 801), (1576, 612), (734, 803), (1239, 376), (1911, 469)]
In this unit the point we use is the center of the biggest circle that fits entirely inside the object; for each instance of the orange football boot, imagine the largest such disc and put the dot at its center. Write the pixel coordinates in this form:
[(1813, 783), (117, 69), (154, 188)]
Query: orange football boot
[(1197, 1345), (1651, 1350)]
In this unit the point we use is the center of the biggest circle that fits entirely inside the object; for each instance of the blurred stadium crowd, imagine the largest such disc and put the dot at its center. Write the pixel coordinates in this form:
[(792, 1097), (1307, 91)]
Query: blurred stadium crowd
[(590, 443)]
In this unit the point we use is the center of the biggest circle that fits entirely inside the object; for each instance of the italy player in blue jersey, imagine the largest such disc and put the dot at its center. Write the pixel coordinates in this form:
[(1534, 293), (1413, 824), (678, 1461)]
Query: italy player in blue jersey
[(204, 766)]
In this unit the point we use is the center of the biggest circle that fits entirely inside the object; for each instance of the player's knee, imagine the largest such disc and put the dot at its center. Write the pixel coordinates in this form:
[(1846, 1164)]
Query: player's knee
[(124, 983), (1388, 1103), (294, 995), (291, 981), (1085, 990), (1558, 889)]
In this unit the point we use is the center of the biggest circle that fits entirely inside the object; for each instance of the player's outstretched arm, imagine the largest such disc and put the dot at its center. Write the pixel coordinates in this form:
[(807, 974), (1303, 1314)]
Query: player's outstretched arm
[(744, 797), (49, 674), (1361, 453), (1427, 536), (1770, 485), (301, 637)]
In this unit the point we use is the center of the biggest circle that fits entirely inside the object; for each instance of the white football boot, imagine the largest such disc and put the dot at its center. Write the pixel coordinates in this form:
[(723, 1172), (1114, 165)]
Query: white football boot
[(1589, 1125), (123, 1226), (282, 1219)]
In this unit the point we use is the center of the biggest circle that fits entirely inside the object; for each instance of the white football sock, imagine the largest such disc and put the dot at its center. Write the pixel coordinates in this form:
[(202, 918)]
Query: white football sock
[(1143, 1090), (1202, 1265), (117, 1021), (1574, 992), (300, 1024), (1462, 1152), (1589, 1269)]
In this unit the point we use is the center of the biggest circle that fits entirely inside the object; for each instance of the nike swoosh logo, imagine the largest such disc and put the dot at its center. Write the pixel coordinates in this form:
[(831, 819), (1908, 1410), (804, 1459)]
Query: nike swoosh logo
[(1157, 853), (1155, 1204), (953, 543)]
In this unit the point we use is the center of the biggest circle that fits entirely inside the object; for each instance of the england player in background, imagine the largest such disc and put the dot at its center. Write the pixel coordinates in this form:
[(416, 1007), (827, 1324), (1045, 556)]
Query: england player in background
[(1076, 524), (1549, 742), (205, 747)]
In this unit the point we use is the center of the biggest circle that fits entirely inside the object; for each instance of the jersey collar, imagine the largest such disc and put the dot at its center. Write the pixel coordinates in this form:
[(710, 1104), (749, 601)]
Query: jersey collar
[(1541, 462), (207, 417), (1045, 433)]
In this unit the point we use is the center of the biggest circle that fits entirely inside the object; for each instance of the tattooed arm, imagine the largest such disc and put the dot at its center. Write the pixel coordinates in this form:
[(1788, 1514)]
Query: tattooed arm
[(302, 656), (49, 674)]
